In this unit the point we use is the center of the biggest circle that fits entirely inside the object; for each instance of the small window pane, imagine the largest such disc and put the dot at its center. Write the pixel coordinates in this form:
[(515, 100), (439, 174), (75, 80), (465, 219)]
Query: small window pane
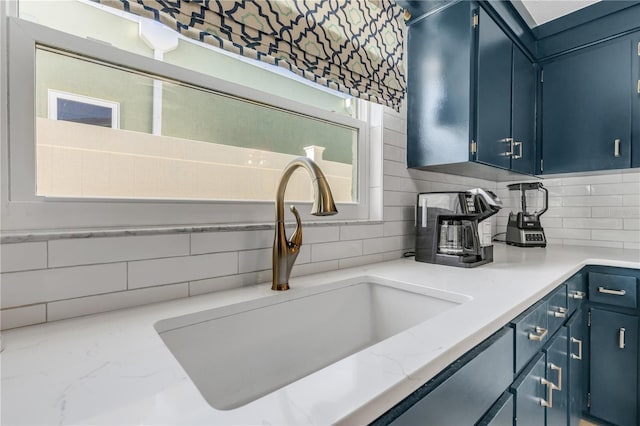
[(82, 112), (175, 141)]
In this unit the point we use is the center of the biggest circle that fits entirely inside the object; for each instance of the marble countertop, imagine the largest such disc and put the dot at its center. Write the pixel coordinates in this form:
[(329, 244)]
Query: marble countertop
[(114, 368)]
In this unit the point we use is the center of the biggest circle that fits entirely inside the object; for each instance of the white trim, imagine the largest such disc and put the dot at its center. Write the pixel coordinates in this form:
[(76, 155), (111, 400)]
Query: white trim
[(23, 210), (54, 95)]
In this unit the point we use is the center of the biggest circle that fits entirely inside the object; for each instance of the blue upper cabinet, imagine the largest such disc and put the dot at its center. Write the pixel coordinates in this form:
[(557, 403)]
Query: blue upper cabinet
[(494, 94), (586, 109), (438, 87), (471, 95), (635, 81)]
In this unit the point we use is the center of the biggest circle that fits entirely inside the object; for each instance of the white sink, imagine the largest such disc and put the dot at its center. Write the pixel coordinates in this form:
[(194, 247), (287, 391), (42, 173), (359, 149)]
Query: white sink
[(236, 354)]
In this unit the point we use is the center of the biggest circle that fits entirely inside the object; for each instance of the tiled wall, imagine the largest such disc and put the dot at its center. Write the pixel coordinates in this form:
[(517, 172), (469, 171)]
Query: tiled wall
[(598, 210), (63, 278)]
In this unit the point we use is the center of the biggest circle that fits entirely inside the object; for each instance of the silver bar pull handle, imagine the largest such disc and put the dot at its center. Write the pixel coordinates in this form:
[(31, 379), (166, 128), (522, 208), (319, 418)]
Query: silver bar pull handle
[(616, 148), (539, 334), (611, 292), (577, 295), (579, 342), (510, 142), (549, 401), (558, 386), (621, 339), (562, 313), (519, 154)]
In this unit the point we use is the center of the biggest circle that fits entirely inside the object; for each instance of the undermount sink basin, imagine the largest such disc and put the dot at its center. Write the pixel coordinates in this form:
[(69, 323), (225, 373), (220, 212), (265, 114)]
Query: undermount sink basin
[(236, 354)]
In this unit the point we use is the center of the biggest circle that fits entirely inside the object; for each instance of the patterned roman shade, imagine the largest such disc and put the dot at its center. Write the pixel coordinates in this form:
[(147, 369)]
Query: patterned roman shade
[(354, 46)]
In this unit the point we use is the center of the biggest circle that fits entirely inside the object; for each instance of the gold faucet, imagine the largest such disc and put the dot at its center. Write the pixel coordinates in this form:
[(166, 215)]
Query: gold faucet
[(285, 251)]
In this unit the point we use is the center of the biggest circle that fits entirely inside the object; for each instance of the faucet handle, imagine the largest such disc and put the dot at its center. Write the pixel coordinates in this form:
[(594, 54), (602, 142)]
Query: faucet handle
[(296, 238)]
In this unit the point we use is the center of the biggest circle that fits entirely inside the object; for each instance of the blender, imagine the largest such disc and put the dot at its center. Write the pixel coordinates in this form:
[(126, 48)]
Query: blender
[(524, 228)]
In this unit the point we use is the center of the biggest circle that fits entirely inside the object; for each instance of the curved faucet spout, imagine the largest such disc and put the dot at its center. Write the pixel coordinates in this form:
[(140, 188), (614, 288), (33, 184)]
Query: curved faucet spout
[(286, 251)]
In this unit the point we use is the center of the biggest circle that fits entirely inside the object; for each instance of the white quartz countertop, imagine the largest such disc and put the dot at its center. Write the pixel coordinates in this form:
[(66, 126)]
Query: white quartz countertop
[(114, 369)]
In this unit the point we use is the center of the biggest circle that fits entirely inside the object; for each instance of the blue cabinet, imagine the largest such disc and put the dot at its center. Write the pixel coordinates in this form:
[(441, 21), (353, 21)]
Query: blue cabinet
[(501, 414), (470, 95), (635, 104), (576, 332), (586, 109), (530, 390), (614, 367), (557, 363)]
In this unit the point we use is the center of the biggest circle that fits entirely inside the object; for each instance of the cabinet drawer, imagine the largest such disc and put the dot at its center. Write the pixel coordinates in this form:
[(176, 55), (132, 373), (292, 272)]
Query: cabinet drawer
[(464, 396), (501, 414), (612, 289), (558, 310), (531, 333), (576, 291)]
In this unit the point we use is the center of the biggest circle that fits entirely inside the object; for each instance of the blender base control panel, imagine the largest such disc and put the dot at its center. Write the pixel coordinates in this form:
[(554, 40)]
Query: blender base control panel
[(533, 236)]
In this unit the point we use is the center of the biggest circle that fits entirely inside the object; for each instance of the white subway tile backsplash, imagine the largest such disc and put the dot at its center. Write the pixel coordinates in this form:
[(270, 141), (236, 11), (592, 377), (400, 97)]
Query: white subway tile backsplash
[(594, 200), (615, 188), (616, 235), (215, 242), (361, 232), (631, 176), (385, 244), (334, 251), (593, 243), (568, 212), (229, 281), (393, 183), (631, 224), (631, 200), (591, 179), (588, 223), (314, 268), (23, 256), (360, 260), (576, 234), (312, 235), (624, 212), (399, 213), (146, 273), (395, 153), (632, 246), (399, 228), (392, 168), (572, 190), (30, 287), (395, 198), (23, 316), (259, 260), (86, 251), (110, 302), (393, 122)]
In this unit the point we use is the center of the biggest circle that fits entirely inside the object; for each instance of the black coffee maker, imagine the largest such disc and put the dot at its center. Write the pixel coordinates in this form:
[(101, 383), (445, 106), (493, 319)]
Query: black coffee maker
[(450, 228)]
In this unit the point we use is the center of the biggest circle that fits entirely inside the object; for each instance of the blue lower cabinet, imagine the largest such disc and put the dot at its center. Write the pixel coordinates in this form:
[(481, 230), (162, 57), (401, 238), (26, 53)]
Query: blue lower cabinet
[(576, 291), (558, 310), (576, 331), (501, 414), (464, 392), (531, 333), (530, 392), (556, 375), (613, 371)]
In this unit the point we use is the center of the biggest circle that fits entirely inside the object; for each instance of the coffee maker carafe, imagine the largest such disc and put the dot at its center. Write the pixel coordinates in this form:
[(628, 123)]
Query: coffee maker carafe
[(450, 228)]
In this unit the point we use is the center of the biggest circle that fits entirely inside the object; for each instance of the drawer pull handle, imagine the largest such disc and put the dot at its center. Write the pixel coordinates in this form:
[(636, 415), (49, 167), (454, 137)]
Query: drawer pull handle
[(616, 148), (539, 334), (562, 313), (578, 295), (621, 338), (579, 342), (549, 401), (612, 292), (557, 387), (519, 155)]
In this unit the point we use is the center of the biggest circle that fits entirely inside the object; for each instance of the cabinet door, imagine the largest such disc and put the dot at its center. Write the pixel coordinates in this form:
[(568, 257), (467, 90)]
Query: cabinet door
[(614, 367), (493, 93), (635, 82), (530, 391), (556, 366), (577, 357), (501, 414), (586, 107), (523, 112), (439, 87)]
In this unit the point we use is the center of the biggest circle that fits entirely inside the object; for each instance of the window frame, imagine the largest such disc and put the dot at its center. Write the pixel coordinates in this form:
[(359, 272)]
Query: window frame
[(52, 101), (22, 209)]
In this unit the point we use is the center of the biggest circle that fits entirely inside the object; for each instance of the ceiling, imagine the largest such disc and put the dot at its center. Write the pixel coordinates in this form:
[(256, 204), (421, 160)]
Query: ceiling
[(542, 11)]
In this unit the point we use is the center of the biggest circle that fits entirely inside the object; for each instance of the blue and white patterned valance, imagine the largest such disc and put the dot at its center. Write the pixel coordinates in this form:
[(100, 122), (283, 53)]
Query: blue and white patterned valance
[(354, 46)]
